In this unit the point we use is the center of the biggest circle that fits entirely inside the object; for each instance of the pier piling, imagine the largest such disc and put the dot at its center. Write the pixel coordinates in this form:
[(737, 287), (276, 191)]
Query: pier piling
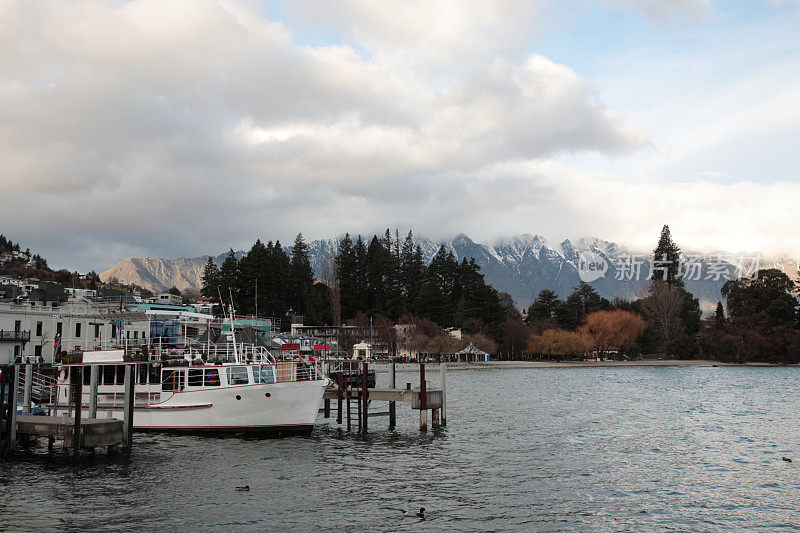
[(93, 379), (127, 418), (392, 412), (12, 401), (443, 386), (78, 389), (365, 394), (26, 401), (340, 382)]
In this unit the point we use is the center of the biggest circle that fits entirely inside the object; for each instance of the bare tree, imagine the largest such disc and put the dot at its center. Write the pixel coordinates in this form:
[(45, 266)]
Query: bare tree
[(663, 307), (332, 281)]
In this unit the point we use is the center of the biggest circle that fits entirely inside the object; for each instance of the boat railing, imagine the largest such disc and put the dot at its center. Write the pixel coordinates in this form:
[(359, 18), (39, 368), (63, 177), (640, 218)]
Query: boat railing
[(42, 386)]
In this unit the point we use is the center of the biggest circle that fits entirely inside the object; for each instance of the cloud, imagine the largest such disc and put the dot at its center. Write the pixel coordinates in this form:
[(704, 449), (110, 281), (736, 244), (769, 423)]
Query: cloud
[(665, 9), (180, 127)]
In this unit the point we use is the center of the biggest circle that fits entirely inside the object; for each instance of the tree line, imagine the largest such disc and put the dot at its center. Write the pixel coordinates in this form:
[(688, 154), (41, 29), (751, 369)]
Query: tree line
[(762, 323), (385, 278)]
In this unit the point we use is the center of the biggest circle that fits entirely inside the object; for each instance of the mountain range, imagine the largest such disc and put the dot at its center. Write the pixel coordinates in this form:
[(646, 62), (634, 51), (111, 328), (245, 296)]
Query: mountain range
[(522, 266)]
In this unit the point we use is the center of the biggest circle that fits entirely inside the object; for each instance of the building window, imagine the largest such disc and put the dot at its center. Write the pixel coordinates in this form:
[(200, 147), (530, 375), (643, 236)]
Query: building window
[(78, 330), (38, 329), (58, 328), (135, 334), (97, 331), (37, 350), (17, 325)]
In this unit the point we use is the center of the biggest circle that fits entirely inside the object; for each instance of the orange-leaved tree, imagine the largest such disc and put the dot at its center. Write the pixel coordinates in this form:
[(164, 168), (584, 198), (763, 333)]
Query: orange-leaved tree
[(558, 342), (612, 328)]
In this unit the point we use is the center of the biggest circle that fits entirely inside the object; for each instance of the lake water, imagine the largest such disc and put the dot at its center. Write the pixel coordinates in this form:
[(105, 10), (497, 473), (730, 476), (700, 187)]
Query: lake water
[(623, 449)]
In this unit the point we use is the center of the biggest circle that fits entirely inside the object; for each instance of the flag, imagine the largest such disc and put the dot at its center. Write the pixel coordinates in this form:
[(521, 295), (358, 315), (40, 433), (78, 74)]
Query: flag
[(56, 346)]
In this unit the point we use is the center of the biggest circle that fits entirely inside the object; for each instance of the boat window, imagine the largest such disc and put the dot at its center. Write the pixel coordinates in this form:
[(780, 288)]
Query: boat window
[(195, 377), (108, 374), (87, 375), (172, 380), (142, 373), (212, 377), (264, 374), (154, 372), (237, 375)]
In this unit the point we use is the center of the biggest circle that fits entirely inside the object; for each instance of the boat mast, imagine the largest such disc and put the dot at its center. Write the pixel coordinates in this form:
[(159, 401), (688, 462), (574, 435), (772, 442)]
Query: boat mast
[(233, 331)]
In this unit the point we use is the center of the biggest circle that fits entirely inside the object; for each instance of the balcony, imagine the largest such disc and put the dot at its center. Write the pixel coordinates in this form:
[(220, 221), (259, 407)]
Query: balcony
[(15, 336)]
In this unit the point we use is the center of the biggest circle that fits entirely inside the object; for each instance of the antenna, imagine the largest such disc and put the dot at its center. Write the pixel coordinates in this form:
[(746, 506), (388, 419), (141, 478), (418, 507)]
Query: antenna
[(233, 329)]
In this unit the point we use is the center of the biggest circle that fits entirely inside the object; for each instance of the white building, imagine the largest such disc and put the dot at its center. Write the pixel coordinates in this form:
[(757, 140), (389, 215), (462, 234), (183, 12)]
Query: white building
[(85, 294), (168, 298), (77, 324)]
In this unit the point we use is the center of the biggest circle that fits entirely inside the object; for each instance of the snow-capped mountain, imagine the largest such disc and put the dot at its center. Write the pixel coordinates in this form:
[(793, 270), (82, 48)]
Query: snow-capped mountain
[(521, 265)]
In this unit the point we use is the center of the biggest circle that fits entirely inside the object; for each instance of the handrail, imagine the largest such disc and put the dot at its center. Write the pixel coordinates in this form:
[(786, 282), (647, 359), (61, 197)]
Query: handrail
[(15, 335)]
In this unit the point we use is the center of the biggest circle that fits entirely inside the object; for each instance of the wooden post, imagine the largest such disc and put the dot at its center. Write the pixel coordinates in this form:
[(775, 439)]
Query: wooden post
[(78, 401), (70, 399), (347, 391), (127, 418), (392, 384), (358, 405), (365, 394), (435, 418), (327, 408), (443, 375), (4, 414), (339, 389), (423, 399), (423, 388), (12, 403), (26, 402), (93, 379)]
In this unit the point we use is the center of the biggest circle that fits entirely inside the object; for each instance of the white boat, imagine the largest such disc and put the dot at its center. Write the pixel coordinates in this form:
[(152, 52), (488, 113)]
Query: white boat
[(268, 396)]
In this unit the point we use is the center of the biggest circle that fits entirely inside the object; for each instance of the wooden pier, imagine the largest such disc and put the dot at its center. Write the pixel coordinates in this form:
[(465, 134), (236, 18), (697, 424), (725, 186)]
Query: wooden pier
[(78, 433), (422, 399), (93, 431)]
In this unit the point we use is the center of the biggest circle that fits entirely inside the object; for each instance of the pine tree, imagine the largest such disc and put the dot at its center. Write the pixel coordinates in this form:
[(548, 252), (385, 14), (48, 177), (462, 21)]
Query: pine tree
[(210, 279), (361, 274), (228, 278), (301, 276), (544, 306), (666, 259), (346, 271)]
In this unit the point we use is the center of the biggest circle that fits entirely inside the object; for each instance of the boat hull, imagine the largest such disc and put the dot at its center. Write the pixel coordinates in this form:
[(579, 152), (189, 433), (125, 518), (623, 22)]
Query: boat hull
[(266, 408)]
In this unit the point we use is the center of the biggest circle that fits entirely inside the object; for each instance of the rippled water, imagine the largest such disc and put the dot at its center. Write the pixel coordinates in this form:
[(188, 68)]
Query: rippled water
[(681, 448)]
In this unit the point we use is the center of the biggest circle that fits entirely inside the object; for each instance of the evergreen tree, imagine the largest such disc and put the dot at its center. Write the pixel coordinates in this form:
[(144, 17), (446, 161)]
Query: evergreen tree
[(361, 273), (318, 306), (346, 272), (301, 276), (666, 259), (253, 284), (228, 279), (210, 279), (545, 305)]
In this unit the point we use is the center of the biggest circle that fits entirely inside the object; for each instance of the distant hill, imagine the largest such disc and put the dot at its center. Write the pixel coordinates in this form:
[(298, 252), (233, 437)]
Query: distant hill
[(522, 266)]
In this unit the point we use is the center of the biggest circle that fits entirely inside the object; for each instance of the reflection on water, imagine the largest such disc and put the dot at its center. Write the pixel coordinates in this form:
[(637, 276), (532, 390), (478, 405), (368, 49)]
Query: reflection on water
[(566, 449)]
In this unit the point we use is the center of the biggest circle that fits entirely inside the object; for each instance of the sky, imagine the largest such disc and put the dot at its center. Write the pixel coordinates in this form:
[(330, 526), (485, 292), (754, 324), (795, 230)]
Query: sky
[(177, 128)]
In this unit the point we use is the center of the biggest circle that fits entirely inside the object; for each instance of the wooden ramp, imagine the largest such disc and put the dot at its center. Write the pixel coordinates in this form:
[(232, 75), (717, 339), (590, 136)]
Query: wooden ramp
[(95, 431)]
